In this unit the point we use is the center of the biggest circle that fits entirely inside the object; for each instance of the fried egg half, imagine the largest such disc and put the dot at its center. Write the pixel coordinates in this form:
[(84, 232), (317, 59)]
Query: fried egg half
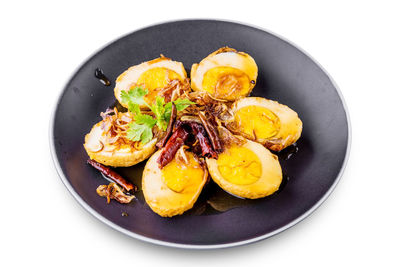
[(116, 156), (153, 75), (248, 170), (225, 74), (175, 188), (272, 124)]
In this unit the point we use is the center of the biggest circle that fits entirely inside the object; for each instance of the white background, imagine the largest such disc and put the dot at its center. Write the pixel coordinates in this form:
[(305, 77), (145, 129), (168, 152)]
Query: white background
[(42, 43)]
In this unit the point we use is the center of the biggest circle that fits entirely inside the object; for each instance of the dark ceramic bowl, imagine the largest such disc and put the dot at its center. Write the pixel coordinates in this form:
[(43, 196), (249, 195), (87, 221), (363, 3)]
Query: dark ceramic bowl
[(286, 74)]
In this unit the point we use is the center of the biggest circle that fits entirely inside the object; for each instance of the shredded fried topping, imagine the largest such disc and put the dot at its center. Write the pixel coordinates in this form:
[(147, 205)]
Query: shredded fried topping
[(205, 102), (115, 125), (175, 89), (206, 127), (228, 138), (181, 156), (113, 191)]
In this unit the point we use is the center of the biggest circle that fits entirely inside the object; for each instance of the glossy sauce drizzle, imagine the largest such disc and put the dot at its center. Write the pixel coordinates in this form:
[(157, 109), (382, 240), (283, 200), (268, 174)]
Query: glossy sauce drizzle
[(213, 199), (99, 74), (288, 152)]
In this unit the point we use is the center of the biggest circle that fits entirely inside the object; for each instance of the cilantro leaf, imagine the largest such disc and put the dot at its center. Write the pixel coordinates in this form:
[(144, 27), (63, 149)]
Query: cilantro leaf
[(139, 132), (134, 108), (159, 109), (145, 119), (147, 135), (141, 129), (134, 96), (181, 104), (135, 131), (167, 113)]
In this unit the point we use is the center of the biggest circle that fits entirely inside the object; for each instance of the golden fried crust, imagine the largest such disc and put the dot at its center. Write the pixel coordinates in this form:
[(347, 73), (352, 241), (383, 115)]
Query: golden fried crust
[(267, 184), (119, 157), (234, 59), (291, 125), (129, 77), (156, 192)]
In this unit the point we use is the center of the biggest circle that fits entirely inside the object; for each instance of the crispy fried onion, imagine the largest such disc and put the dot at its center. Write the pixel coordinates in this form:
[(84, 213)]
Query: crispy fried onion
[(218, 108), (210, 126), (213, 113), (175, 89), (113, 191), (204, 127), (181, 157), (229, 139), (115, 125)]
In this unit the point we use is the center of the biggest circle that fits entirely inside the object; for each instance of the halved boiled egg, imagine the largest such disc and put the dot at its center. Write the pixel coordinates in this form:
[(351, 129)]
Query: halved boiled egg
[(175, 188), (117, 154), (272, 124), (153, 75), (248, 170), (225, 74)]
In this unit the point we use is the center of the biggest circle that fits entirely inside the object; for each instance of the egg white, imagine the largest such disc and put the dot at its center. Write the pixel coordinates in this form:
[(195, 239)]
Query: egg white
[(224, 57), (290, 124), (98, 150), (130, 77), (268, 183), (161, 199)]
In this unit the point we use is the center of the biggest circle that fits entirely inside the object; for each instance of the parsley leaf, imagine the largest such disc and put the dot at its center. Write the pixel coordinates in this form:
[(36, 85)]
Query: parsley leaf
[(159, 110), (139, 132), (134, 108), (181, 104), (141, 129), (134, 96)]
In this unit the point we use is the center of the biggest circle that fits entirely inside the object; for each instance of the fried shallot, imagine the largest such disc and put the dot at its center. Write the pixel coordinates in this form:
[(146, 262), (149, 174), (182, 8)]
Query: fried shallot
[(175, 89), (211, 131), (107, 171), (113, 191), (115, 125)]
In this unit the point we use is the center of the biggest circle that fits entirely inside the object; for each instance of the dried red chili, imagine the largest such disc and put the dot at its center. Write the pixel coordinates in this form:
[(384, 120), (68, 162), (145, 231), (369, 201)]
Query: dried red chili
[(107, 171)]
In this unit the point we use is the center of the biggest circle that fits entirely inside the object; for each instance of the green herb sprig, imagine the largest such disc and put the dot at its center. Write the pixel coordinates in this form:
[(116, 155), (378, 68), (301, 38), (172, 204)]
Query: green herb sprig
[(141, 128)]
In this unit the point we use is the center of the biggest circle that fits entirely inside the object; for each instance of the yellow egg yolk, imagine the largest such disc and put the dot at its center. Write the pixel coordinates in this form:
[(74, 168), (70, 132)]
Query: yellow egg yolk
[(226, 82), (156, 78), (239, 165), (180, 175), (258, 122)]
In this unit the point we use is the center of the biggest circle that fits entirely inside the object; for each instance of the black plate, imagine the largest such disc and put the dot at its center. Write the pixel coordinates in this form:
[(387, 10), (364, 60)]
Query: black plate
[(286, 74)]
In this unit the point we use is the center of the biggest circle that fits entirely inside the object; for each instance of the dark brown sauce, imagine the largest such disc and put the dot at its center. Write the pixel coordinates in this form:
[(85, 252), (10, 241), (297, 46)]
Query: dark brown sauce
[(119, 107), (213, 199), (99, 74), (216, 200), (285, 180), (288, 152), (134, 175)]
